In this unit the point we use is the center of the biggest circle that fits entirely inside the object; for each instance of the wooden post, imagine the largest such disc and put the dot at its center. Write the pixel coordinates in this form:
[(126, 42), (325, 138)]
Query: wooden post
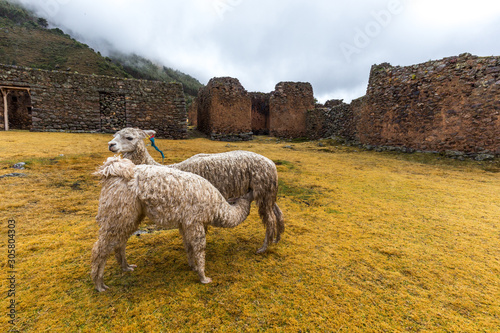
[(5, 110)]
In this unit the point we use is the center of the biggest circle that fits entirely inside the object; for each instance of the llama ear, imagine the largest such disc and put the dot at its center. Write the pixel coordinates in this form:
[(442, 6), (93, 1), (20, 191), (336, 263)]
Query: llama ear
[(149, 133)]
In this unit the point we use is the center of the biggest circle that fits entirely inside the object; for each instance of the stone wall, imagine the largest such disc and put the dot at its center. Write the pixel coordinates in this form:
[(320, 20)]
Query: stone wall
[(445, 105), (91, 103), (288, 106), (334, 119), (451, 104), (225, 110), (260, 113)]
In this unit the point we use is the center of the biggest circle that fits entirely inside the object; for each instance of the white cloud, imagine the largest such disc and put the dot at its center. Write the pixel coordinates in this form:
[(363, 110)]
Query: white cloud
[(262, 42)]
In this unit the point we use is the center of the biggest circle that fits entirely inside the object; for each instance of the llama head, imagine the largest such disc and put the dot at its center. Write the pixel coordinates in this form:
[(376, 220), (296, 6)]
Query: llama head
[(116, 167), (127, 139)]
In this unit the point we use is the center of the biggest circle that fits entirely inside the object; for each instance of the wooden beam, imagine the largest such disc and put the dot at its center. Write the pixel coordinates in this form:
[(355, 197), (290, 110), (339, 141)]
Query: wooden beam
[(16, 88)]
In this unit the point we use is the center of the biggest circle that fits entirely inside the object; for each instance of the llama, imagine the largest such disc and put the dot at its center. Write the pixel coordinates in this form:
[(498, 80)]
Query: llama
[(170, 198), (232, 173)]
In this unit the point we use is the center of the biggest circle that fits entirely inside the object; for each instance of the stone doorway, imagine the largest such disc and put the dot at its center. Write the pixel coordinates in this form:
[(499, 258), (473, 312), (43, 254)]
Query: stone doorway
[(260, 113), (113, 112), (16, 108)]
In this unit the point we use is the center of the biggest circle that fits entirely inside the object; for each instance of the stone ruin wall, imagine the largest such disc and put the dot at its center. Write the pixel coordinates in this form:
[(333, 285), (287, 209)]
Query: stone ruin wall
[(335, 119), (448, 106), (288, 106), (224, 110), (452, 104), (92, 103)]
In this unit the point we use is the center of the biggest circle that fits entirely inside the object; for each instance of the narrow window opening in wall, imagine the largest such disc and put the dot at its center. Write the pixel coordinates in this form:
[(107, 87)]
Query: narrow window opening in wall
[(113, 113)]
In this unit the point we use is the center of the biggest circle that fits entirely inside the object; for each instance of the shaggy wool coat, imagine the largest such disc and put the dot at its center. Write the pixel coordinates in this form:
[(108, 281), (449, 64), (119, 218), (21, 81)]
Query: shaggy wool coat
[(170, 198), (233, 173)]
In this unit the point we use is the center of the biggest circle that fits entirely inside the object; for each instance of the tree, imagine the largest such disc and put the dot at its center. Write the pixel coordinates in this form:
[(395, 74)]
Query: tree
[(42, 22)]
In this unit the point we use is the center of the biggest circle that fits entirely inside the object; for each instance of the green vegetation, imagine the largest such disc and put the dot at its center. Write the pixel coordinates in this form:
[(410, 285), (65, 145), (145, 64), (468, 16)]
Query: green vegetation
[(142, 68), (26, 41), (16, 14)]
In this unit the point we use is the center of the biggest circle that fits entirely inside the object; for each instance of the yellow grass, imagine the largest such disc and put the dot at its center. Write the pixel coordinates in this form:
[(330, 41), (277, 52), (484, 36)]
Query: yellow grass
[(373, 242)]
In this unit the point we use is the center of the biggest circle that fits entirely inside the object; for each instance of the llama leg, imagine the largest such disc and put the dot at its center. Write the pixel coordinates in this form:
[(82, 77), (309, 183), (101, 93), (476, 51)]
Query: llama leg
[(194, 236), (111, 239), (122, 259), (188, 248), (128, 230), (100, 252)]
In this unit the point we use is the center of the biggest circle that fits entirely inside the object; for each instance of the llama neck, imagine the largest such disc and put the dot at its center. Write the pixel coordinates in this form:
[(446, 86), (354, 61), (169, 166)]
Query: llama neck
[(232, 215), (140, 156)]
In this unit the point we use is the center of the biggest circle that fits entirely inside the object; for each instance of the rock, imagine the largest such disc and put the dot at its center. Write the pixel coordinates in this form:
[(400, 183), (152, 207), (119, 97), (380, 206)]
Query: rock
[(484, 157), (14, 174), (19, 165), (140, 232), (453, 153)]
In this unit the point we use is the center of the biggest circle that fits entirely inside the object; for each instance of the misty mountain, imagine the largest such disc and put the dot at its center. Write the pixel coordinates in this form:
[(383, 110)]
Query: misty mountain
[(27, 40), (142, 68)]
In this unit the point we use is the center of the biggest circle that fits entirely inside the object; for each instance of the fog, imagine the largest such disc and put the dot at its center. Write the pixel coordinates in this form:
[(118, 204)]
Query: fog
[(331, 44)]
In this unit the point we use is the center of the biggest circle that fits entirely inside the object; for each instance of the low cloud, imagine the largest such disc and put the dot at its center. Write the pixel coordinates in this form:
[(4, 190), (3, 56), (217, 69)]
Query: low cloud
[(331, 44)]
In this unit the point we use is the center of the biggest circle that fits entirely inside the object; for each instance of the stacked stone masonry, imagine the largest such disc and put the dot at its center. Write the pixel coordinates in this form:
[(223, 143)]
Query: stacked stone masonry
[(447, 105), (451, 104), (71, 102), (335, 119), (288, 105), (224, 110)]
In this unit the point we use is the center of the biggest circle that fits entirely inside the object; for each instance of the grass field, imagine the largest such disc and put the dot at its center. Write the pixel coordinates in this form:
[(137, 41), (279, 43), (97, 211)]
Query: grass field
[(374, 242)]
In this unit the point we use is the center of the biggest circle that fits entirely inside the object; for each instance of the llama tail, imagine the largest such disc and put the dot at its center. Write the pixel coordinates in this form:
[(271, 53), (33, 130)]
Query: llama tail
[(116, 167), (272, 217), (280, 222)]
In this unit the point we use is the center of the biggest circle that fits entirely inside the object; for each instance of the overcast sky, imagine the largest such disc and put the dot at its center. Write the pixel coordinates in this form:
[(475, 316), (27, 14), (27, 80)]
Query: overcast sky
[(329, 43)]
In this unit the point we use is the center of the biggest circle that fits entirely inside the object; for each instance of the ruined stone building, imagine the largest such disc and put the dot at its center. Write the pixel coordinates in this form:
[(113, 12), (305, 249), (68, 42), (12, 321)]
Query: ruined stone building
[(288, 107), (452, 104), (41, 100), (447, 104), (226, 111)]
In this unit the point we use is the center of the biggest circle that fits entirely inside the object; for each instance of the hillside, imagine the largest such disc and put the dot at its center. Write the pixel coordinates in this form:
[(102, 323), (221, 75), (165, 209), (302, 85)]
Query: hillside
[(26, 40), (142, 68)]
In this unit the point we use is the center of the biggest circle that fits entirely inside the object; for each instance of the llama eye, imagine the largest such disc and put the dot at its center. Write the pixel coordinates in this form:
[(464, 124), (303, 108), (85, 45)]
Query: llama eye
[(130, 138)]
